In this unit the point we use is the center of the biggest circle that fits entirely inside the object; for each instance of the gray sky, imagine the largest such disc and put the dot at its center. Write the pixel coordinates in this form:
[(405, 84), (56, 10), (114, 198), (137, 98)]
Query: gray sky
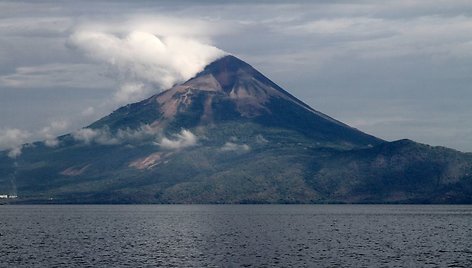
[(394, 69)]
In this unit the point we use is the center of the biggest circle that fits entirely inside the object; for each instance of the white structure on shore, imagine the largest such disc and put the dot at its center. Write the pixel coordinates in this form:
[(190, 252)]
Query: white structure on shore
[(7, 196)]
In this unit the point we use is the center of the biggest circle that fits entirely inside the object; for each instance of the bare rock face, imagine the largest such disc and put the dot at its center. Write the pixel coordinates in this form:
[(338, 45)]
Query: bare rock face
[(231, 79), (228, 79)]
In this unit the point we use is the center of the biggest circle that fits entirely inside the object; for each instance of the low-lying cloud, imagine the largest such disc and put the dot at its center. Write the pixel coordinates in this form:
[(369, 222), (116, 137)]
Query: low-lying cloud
[(13, 139), (100, 136), (50, 132), (182, 140), (142, 134), (231, 146)]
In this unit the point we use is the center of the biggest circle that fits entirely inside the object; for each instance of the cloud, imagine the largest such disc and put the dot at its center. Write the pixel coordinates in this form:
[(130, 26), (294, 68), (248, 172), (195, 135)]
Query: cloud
[(100, 136), (230, 146), (189, 26), (104, 136), (15, 151), (146, 57), (359, 25), (49, 133), (143, 133), (56, 75), (35, 26), (182, 140), (12, 139), (375, 38), (89, 111), (131, 92)]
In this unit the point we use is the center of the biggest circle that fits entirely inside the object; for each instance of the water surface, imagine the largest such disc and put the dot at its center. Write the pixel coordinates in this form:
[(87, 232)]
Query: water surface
[(236, 236)]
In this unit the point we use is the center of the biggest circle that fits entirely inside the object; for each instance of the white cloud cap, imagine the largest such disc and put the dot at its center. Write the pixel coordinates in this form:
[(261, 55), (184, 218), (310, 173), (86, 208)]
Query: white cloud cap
[(145, 57)]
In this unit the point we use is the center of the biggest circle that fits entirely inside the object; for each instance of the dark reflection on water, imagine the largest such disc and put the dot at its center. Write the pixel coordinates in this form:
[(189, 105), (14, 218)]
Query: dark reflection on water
[(236, 235)]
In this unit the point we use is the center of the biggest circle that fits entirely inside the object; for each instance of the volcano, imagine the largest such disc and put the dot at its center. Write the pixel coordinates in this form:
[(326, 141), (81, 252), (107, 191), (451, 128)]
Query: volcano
[(230, 90), (231, 135)]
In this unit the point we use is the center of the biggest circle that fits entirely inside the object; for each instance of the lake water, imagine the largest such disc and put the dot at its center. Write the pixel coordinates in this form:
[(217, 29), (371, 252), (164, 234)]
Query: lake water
[(236, 236)]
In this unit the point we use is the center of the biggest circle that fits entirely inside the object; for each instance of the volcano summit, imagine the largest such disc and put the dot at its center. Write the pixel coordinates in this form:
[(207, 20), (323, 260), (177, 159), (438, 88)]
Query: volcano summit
[(230, 135)]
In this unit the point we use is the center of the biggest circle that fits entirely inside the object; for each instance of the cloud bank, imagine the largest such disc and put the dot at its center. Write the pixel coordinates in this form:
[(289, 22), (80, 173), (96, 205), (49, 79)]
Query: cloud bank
[(145, 133), (104, 136), (14, 139)]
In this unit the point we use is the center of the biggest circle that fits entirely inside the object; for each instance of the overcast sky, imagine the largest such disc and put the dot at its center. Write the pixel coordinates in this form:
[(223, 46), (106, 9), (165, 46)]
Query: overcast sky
[(394, 69)]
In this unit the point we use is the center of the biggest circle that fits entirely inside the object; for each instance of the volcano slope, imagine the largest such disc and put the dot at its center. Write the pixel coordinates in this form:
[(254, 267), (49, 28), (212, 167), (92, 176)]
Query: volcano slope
[(230, 135)]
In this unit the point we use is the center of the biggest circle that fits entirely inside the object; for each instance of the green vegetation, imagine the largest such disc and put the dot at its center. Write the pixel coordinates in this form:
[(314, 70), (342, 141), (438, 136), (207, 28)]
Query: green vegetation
[(281, 166)]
